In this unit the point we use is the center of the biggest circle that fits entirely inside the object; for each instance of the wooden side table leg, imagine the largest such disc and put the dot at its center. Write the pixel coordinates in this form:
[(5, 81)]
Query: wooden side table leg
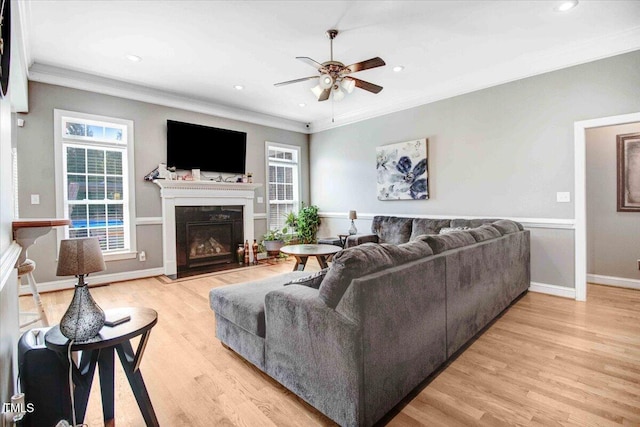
[(322, 260), (106, 368), (128, 358), (83, 379), (301, 262)]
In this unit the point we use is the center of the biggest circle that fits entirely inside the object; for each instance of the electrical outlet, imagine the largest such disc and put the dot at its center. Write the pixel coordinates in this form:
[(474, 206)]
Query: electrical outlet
[(142, 256), (563, 197), (260, 199), (35, 199)]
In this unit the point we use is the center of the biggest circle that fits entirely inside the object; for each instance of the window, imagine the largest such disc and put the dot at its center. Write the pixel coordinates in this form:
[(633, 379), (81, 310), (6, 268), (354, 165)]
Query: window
[(94, 163), (284, 183)]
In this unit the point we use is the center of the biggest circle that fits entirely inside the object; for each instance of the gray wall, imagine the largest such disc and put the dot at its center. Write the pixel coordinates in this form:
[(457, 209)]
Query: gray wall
[(503, 151), (613, 247), (36, 163)]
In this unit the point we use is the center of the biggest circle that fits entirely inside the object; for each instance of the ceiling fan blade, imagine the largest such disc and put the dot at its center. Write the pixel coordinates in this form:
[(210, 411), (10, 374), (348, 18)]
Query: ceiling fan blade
[(324, 95), (296, 81), (366, 85), (365, 65), (313, 63)]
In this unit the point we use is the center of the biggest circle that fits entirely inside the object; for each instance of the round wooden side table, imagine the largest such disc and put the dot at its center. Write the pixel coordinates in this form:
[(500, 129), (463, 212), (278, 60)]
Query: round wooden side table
[(99, 351)]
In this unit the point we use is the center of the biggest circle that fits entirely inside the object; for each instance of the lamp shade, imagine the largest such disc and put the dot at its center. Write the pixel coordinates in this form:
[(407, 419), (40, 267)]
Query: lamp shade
[(348, 84), (80, 256), (338, 95), (317, 91), (353, 215), (326, 81)]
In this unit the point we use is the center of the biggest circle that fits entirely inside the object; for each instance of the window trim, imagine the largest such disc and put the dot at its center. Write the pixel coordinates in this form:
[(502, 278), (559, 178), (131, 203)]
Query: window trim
[(298, 195), (59, 140)]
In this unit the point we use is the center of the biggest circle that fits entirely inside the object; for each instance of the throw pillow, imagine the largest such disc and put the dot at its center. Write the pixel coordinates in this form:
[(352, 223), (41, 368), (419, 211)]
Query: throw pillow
[(485, 232), (506, 226), (445, 230), (471, 223), (444, 242), (313, 281)]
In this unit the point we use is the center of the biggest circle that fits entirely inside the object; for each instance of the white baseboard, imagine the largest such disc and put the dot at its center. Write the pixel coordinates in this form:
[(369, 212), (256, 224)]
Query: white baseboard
[(621, 282), (559, 291), (93, 280)]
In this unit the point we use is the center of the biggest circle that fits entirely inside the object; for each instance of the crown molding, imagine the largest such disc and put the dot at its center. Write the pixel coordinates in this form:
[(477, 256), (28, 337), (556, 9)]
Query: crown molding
[(519, 68), (525, 66), (78, 80)]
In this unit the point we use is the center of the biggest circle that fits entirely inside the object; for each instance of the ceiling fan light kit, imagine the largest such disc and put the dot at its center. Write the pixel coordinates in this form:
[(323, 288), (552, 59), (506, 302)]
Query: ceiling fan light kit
[(334, 75), (326, 81), (348, 84)]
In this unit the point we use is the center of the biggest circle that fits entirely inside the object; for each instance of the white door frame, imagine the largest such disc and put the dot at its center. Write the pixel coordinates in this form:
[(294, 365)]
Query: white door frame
[(580, 191)]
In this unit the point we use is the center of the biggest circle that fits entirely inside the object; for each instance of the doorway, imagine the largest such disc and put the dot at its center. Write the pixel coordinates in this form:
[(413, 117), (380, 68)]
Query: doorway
[(580, 191)]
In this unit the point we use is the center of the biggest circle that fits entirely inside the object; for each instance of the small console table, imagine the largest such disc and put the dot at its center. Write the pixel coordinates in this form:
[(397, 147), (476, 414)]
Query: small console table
[(25, 233), (27, 230)]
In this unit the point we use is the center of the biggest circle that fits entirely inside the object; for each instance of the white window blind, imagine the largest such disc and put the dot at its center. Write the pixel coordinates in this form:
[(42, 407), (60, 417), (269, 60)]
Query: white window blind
[(284, 186)]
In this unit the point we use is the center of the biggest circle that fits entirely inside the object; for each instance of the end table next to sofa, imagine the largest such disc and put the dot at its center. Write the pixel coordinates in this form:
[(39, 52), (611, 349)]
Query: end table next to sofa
[(99, 351)]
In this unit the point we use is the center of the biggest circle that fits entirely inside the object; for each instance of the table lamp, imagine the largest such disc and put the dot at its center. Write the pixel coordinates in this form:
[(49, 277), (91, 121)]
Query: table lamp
[(353, 215), (79, 257)]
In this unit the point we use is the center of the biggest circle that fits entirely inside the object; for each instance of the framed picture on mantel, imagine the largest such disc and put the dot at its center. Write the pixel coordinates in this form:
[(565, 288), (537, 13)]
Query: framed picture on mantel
[(628, 147)]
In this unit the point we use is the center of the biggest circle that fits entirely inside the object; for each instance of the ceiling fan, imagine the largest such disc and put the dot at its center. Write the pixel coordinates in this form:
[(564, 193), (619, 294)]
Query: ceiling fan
[(335, 76)]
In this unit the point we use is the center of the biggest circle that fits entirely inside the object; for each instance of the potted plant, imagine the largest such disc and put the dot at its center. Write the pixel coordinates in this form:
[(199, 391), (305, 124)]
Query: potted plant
[(274, 239), (308, 222), (291, 221)]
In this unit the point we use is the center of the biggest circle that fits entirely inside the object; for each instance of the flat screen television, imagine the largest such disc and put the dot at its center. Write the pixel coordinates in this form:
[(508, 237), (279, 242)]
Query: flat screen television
[(192, 146)]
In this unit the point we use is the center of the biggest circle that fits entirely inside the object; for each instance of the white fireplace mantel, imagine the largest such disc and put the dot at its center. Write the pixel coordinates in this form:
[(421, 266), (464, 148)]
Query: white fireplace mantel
[(200, 193)]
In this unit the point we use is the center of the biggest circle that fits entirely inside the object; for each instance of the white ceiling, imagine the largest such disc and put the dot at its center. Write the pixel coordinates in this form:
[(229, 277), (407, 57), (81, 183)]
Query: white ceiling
[(194, 52)]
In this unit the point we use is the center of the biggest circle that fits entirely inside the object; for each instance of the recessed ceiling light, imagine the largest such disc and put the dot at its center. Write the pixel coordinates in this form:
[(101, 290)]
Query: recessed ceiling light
[(302, 104), (398, 68), (133, 58), (566, 5), (238, 87)]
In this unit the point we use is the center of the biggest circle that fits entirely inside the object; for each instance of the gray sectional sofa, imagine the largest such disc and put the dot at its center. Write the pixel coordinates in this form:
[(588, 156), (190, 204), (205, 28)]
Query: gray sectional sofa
[(354, 339)]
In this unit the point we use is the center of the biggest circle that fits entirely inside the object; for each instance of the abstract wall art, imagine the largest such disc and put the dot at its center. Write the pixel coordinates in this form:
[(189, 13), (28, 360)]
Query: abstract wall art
[(402, 170)]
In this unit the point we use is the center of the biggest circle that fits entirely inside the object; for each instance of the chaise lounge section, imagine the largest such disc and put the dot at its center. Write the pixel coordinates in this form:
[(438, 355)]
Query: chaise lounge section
[(354, 339)]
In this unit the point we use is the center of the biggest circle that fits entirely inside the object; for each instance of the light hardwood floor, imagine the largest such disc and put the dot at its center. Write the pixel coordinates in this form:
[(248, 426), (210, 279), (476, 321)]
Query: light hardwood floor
[(547, 361)]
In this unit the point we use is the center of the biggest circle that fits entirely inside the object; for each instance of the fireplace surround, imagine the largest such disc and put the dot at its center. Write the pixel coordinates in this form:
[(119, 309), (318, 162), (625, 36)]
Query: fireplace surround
[(230, 203)]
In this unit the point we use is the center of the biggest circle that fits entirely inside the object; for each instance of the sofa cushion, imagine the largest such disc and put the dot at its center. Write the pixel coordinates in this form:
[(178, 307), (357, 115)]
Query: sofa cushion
[(506, 226), (365, 259), (409, 251), (422, 226), (484, 232), (243, 303), (453, 240), (472, 223), (349, 263), (313, 281), (391, 229)]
